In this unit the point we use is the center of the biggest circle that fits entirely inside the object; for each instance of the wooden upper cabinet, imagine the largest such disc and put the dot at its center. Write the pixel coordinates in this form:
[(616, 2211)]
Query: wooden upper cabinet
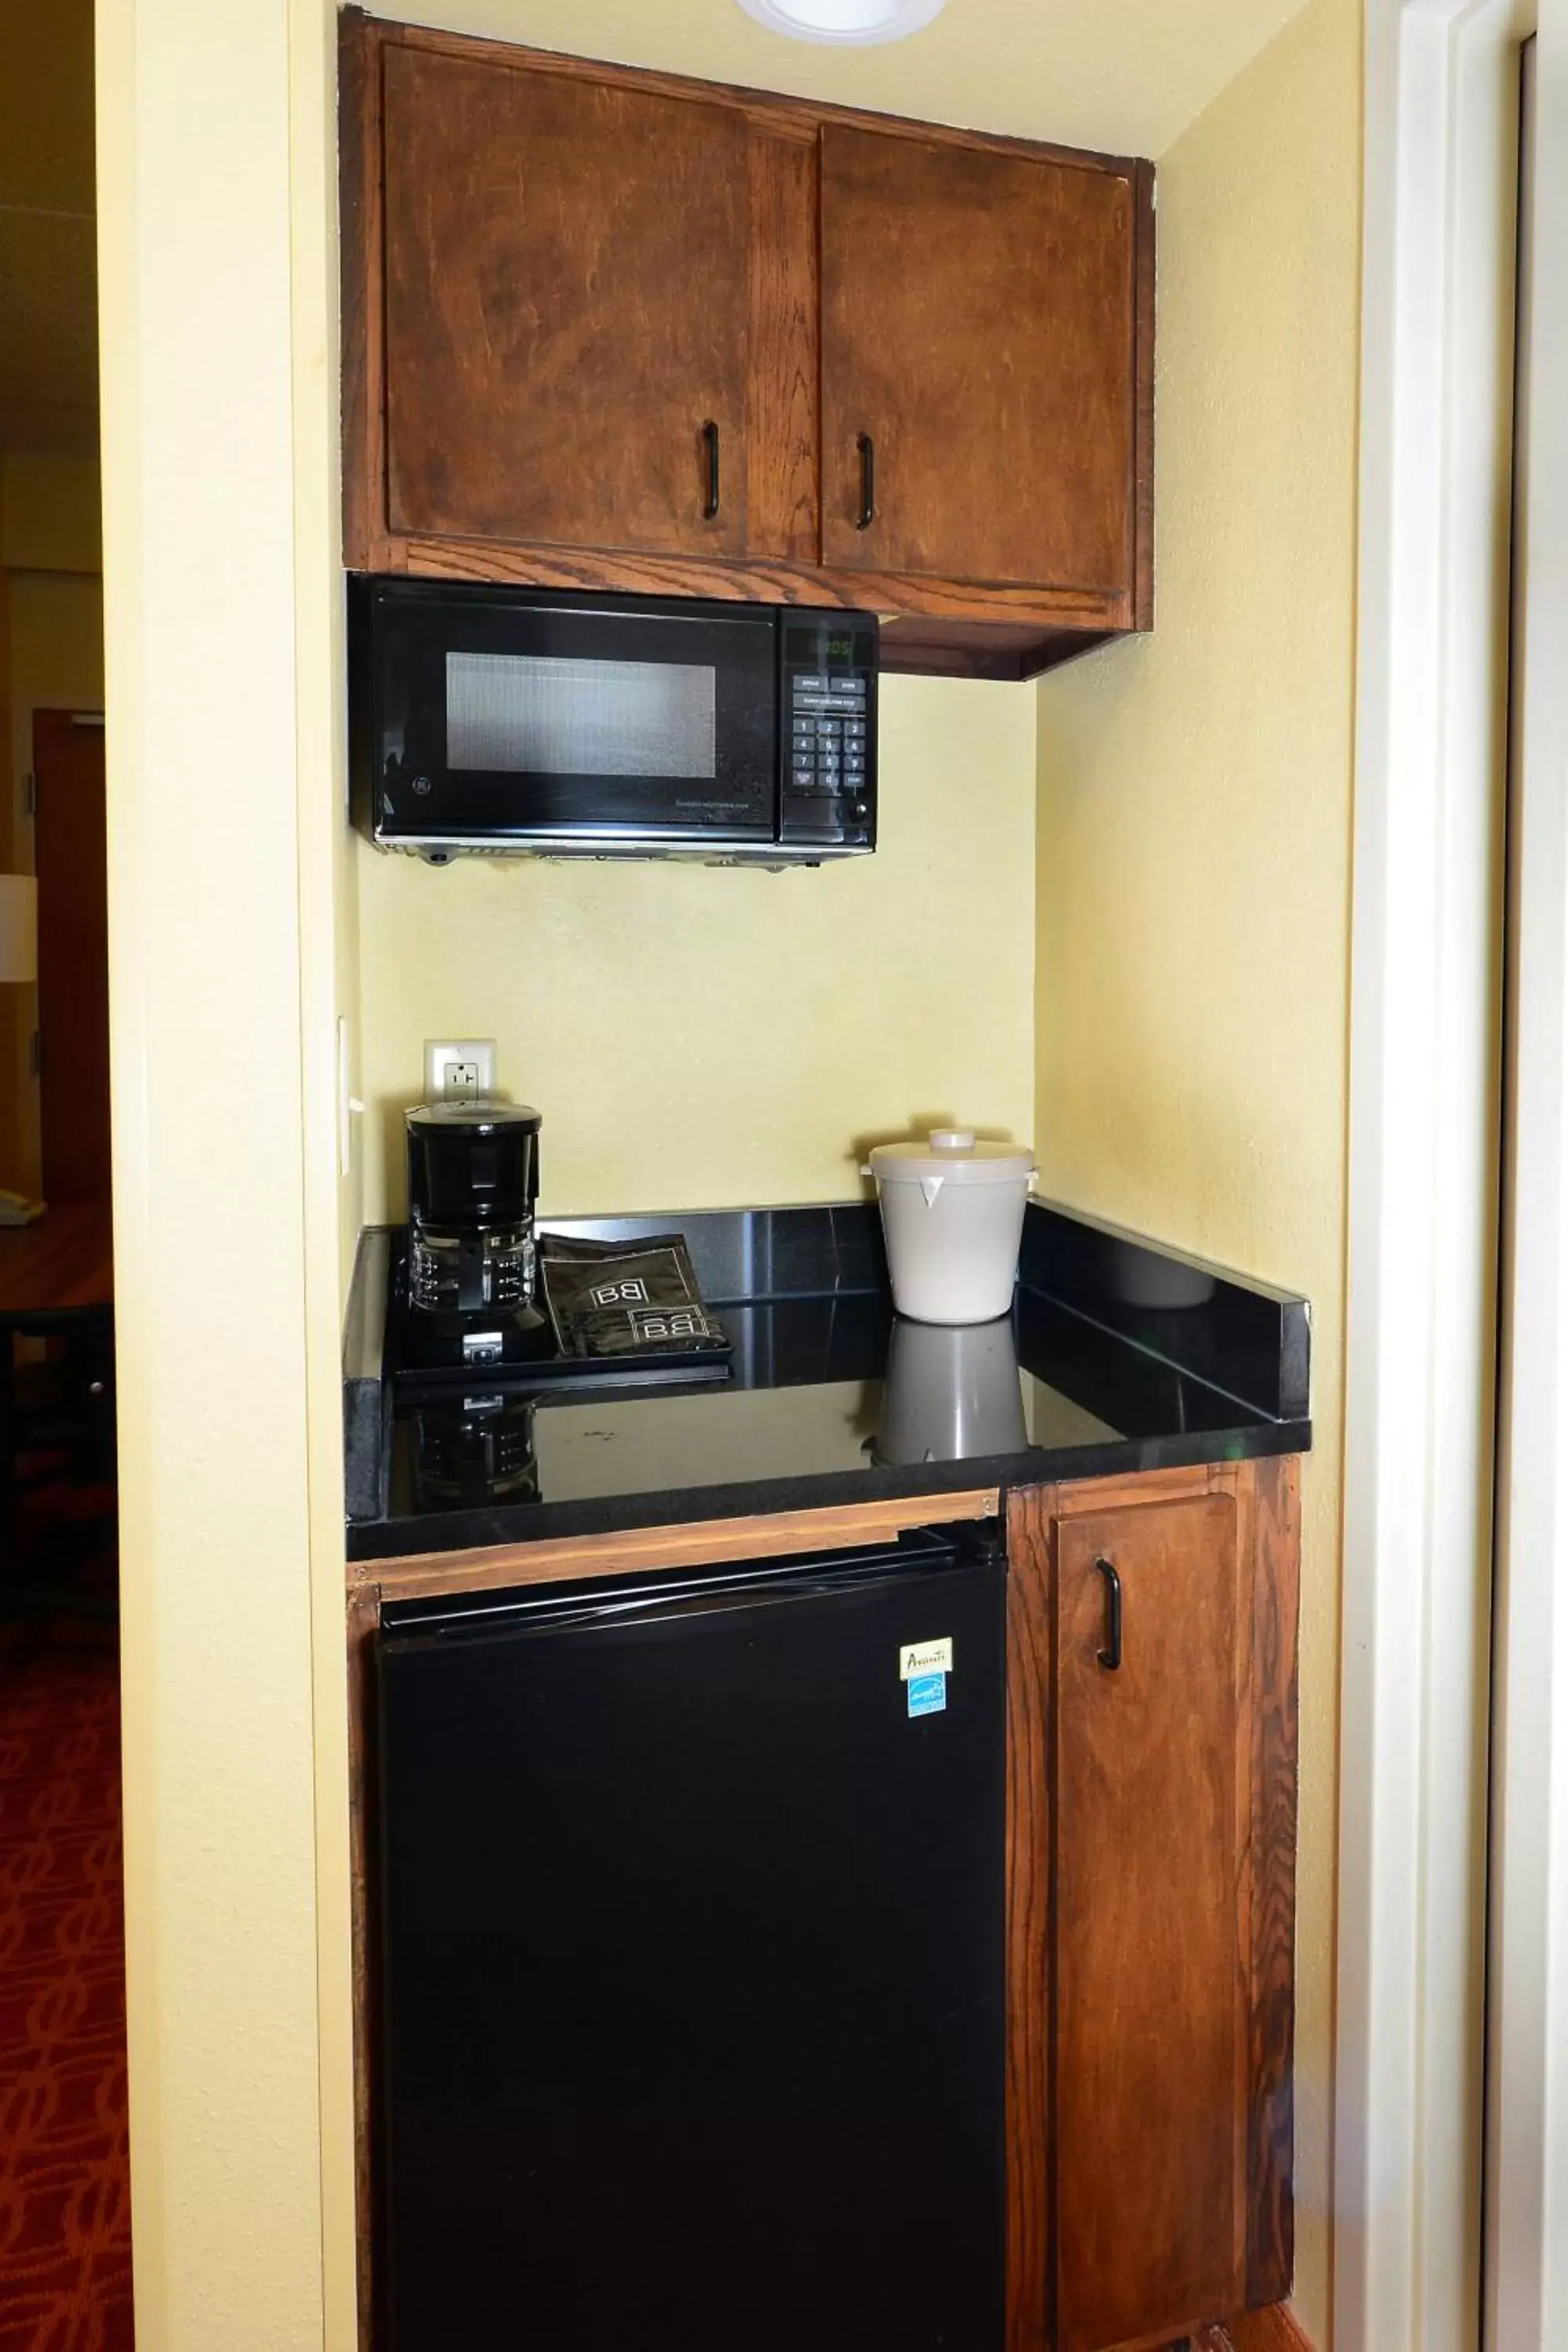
[(922, 359), (567, 281), (977, 364)]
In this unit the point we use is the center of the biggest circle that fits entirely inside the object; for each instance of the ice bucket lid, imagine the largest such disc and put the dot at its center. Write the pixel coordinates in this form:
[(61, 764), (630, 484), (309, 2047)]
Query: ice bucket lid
[(953, 1153)]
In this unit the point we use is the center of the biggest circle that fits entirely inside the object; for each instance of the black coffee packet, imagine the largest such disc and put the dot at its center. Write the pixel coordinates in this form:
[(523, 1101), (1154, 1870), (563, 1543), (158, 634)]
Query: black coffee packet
[(627, 1298)]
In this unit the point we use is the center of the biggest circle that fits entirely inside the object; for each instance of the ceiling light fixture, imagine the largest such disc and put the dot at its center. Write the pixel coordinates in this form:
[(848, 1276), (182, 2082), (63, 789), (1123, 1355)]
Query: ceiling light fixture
[(843, 20)]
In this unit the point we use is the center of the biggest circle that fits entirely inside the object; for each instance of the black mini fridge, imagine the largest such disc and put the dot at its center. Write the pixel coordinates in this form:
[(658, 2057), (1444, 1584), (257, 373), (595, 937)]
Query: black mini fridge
[(692, 2033)]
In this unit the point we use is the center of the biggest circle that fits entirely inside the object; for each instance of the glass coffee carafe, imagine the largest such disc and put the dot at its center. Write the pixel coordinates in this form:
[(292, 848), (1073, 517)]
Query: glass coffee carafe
[(473, 1179)]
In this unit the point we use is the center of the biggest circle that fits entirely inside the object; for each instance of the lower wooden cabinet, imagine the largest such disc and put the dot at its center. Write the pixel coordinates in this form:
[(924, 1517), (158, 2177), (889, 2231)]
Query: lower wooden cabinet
[(1152, 1872)]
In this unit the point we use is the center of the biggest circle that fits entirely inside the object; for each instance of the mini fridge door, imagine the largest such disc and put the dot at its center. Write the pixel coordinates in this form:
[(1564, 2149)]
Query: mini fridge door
[(692, 2032)]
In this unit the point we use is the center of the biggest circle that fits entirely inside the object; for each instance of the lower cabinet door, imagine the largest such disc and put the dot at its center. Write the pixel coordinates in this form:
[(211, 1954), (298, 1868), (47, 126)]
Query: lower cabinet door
[(1153, 1738)]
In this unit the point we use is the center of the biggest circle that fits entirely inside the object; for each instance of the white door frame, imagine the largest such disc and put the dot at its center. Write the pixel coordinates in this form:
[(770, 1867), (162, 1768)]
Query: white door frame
[(1527, 2141), (1441, 180)]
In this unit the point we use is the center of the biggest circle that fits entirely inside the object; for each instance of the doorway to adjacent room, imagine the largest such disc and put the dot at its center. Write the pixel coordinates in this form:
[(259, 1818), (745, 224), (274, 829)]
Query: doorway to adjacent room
[(69, 860), (65, 2197)]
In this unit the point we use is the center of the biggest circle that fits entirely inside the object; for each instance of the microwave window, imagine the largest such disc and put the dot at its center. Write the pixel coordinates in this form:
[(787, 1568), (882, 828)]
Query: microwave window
[(539, 715)]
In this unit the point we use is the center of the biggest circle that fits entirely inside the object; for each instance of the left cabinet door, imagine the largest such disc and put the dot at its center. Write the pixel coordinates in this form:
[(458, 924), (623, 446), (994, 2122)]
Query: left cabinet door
[(567, 280)]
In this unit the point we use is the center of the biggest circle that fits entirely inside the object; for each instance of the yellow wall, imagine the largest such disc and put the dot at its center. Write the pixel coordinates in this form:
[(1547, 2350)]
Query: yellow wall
[(57, 639), (698, 1037), (333, 1189), (1195, 839), (224, 656), (51, 509)]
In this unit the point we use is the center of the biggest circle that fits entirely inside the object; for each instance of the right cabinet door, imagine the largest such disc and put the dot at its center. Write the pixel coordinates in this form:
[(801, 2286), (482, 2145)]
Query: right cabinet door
[(977, 364), (1153, 1749)]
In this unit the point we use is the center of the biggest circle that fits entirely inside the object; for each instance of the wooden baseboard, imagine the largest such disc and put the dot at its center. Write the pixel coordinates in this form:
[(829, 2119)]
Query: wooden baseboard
[(1274, 2330)]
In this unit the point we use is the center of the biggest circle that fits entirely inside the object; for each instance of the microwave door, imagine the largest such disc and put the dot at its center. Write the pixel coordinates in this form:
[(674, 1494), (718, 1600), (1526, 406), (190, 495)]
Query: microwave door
[(543, 725)]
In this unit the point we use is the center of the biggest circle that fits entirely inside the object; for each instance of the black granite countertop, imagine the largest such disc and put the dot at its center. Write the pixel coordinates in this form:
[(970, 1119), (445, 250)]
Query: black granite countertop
[(1119, 1355)]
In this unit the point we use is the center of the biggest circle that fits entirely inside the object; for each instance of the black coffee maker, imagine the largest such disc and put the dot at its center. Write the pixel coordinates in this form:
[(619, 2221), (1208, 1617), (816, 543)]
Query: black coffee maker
[(470, 1276)]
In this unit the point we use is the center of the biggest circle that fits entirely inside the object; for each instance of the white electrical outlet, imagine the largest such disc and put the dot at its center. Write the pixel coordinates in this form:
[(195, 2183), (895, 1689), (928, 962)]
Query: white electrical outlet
[(458, 1068), (349, 1104)]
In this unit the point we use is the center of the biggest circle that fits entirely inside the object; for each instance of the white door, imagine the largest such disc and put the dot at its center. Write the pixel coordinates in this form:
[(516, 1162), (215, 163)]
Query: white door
[(1451, 2062)]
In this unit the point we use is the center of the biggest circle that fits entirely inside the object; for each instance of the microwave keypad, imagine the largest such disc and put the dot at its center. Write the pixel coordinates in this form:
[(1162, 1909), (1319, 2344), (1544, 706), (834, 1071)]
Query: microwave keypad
[(828, 722)]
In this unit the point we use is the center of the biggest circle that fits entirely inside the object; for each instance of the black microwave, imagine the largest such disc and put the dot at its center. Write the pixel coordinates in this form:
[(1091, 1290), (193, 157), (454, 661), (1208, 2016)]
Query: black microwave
[(499, 721)]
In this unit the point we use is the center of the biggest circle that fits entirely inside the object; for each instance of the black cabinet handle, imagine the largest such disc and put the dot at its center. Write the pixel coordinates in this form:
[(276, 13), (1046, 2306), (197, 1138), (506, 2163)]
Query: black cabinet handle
[(1111, 1656), (710, 435), (868, 514)]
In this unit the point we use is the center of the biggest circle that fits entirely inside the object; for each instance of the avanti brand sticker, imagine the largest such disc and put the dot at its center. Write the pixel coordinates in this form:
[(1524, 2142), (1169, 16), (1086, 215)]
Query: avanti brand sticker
[(925, 1658), (927, 1694)]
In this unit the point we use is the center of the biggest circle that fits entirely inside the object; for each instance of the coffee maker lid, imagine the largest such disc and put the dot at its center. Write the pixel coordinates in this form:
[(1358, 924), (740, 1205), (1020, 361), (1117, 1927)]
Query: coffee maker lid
[(480, 1115)]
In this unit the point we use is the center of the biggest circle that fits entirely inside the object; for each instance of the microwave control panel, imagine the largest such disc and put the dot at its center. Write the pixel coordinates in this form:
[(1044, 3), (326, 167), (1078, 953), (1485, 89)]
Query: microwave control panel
[(827, 721)]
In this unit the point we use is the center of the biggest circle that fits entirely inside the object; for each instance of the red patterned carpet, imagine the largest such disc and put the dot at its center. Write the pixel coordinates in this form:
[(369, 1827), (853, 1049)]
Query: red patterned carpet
[(65, 2200)]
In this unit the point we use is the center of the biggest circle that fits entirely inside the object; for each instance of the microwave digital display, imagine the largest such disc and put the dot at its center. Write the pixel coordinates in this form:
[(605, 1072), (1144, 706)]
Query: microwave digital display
[(545, 715)]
